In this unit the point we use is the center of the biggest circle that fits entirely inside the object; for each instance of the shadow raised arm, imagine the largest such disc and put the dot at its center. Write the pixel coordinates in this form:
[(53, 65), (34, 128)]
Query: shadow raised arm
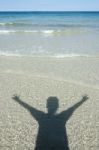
[(18, 100), (37, 114), (68, 113)]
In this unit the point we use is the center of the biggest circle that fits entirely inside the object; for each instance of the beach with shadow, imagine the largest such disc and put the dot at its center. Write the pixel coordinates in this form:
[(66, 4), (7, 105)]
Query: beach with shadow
[(50, 110), (52, 133)]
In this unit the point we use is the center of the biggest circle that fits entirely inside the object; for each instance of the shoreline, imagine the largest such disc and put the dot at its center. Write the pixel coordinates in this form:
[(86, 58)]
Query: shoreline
[(51, 56)]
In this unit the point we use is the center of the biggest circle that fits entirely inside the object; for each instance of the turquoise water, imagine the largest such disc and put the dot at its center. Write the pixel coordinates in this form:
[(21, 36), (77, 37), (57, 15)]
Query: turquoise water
[(59, 34)]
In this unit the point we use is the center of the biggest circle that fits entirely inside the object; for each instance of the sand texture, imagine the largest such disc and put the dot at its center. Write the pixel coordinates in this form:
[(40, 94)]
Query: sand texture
[(34, 80)]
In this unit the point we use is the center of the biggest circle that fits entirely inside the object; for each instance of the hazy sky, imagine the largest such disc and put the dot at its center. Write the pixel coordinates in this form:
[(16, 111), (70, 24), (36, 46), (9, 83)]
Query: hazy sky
[(49, 5)]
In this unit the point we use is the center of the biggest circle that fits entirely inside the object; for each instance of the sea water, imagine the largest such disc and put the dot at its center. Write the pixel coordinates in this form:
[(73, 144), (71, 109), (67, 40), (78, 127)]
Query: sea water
[(54, 34)]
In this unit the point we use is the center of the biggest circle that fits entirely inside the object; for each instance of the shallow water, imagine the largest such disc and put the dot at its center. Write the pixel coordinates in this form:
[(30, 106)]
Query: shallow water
[(58, 34)]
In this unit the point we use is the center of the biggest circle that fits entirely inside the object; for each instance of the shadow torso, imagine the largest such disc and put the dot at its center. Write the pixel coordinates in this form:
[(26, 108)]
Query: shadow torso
[(52, 132)]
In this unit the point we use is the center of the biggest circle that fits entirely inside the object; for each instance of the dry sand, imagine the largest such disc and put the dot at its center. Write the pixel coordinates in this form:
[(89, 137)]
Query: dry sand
[(36, 79)]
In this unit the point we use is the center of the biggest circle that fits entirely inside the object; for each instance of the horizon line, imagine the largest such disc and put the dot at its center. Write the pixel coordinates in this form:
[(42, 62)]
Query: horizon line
[(49, 11)]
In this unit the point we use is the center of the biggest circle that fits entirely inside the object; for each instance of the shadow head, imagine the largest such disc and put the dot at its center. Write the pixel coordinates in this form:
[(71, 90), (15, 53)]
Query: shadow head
[(52, 105)]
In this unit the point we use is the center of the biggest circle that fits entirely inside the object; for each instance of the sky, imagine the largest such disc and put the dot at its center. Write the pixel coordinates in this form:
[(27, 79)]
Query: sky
[(49, 5)]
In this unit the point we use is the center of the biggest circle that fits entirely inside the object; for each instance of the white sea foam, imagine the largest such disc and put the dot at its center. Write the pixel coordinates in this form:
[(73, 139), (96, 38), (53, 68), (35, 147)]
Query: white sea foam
[(7, 24), (67, 55), (11, 23), (47, 31), (59, 56), (72, 55), (7, 31), (44, 32), (2, 24), (39, 31), (27, 31), (8, 54)]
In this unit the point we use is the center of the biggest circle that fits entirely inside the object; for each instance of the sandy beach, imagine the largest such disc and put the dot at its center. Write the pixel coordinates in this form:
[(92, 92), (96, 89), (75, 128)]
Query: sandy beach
[(34, 80)]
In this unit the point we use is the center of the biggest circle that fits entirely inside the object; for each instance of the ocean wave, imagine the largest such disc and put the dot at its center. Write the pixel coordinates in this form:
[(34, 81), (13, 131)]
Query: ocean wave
[(58, 56), (8, 54), (27, 31), (6, 31), (48, 31), (6, 24), (14, 24), (67, 55), (51, 32), (2, 24), (72, 55), (52, 25)]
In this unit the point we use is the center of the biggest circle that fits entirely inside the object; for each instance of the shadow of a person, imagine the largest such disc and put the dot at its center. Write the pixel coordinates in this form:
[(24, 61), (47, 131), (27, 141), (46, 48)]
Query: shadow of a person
[(52, 133)]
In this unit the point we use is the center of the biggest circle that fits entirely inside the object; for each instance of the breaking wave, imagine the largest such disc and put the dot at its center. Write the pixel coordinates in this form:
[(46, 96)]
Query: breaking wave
[(49, 32), (57, 56), (27, 31)]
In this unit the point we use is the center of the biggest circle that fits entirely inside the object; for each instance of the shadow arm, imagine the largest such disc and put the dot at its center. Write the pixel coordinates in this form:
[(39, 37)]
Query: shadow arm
[(34, 112), (25, 105), (71, 110)]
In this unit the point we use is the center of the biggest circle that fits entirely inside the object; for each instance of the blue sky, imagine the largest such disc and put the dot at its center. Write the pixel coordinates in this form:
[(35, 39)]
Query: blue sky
[(49, 5)]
